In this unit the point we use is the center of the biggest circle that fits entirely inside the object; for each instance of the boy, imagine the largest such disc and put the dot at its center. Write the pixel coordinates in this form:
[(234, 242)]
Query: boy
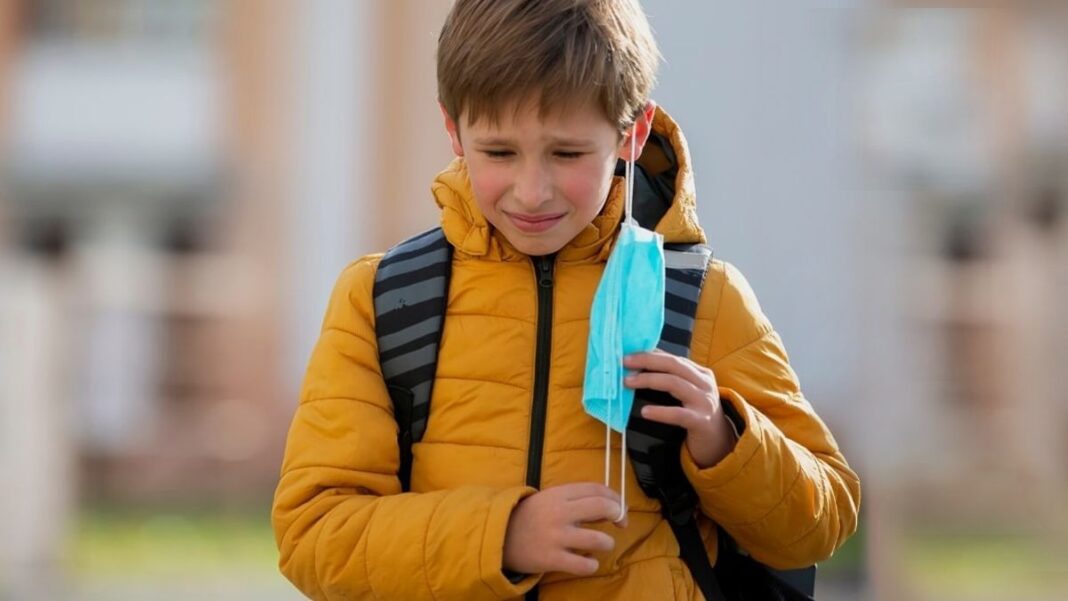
[(540, 101)]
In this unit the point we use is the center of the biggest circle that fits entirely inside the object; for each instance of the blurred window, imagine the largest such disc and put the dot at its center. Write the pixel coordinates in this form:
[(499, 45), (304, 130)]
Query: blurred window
[(96, 22)]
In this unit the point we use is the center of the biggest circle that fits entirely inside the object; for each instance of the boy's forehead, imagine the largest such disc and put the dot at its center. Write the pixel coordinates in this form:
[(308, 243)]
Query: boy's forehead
[(572, 121)]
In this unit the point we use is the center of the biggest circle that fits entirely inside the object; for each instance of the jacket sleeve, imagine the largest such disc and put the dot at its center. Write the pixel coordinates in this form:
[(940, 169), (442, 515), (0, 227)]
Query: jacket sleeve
[(343, 528), (785, 492)]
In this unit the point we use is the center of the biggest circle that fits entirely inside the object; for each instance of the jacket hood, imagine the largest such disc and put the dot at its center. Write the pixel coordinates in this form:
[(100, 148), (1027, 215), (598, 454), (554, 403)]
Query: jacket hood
[(664, 201)]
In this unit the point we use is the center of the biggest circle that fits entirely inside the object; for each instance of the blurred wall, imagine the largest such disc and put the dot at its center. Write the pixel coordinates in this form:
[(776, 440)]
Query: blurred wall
[(368, 140), (762, 92)]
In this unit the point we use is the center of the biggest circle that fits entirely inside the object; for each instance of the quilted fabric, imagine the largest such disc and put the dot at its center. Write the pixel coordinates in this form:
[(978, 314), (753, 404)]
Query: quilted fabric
[(785, 493)]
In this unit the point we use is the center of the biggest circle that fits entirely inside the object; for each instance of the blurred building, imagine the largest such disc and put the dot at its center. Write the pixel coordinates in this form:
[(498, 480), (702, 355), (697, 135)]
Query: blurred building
[(122, 166), (182, 181), (965, 120), (140, 209), (965, 132)]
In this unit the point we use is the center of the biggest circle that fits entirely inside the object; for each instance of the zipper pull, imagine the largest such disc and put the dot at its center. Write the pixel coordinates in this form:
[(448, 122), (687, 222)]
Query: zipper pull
[(545, 271)]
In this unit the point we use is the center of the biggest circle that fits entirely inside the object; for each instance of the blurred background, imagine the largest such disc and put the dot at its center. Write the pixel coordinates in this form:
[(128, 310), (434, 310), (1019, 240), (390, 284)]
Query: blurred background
[(182, 180)]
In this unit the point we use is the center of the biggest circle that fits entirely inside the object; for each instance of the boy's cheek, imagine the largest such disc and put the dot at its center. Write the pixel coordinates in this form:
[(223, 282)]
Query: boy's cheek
[(588, 187), (488, 188)]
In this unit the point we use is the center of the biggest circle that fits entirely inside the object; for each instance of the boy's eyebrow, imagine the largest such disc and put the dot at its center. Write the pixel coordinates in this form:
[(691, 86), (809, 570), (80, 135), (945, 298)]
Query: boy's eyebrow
[(561, 140), (564, 141), (492, 141)]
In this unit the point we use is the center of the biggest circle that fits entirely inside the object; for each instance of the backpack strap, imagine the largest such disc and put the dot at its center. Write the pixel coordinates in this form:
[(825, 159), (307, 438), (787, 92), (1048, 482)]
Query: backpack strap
[(410, 296), (654, 447)]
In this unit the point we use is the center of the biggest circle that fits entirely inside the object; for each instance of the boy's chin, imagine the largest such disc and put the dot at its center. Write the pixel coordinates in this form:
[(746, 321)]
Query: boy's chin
[(536, 246)]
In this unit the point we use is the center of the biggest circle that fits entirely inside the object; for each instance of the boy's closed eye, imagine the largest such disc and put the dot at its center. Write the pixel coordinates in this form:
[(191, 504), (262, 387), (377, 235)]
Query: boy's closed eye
[(568, 154), (562, 154)]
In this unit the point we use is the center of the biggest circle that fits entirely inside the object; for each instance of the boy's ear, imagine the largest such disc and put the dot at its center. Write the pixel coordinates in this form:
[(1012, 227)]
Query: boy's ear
[(643, 126), (453, 131)]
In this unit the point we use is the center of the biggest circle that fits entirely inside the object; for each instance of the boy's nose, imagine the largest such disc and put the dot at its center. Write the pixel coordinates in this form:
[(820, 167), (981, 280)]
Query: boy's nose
[(533, 187)]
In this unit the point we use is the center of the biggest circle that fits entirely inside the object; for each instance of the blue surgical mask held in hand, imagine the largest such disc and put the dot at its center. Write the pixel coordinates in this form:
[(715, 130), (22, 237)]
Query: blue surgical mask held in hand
[(626, 317)]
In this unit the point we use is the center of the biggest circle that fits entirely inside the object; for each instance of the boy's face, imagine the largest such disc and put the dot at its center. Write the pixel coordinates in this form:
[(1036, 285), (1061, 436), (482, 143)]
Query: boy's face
[(540, 181)]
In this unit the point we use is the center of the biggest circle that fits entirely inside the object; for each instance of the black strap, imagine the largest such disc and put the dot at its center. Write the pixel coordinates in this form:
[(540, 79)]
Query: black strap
[(693, 554), (410, 297)]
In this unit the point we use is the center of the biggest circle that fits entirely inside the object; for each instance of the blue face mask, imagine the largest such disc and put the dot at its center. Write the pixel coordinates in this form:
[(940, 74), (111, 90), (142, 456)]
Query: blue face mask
[(626, 317)]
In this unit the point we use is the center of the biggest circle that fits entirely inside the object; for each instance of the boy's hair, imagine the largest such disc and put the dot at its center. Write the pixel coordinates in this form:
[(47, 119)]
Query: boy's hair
[(556, 53)]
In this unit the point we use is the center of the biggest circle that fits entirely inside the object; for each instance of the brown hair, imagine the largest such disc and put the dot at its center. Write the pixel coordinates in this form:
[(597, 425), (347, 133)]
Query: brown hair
[(554, 52)]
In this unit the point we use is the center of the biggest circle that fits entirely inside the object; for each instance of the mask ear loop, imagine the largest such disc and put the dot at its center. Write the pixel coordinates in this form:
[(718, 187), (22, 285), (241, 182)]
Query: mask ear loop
[(629, 219), (628, 208), (622, 463)]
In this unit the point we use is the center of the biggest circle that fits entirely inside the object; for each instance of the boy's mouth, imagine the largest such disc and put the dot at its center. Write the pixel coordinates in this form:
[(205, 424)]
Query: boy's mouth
[(533, 224)]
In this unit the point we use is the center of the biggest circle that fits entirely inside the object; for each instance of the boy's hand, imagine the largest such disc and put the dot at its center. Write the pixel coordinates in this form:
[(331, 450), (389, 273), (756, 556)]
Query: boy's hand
[(545, 532), (709, 437)]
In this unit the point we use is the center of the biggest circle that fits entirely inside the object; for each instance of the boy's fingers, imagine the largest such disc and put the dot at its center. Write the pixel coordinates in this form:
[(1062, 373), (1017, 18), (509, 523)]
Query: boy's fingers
[(674, 416), (658, 360), (582, 490), (589, 540), (688, 394), (573, 563), (593, 509)]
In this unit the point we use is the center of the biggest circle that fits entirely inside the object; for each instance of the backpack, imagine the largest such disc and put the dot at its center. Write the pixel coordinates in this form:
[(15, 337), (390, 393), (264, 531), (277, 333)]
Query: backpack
[(410, 296)]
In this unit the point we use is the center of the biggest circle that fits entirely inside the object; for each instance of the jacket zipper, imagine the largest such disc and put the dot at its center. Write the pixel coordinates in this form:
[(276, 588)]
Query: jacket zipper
[(543, 268), (543, 271)]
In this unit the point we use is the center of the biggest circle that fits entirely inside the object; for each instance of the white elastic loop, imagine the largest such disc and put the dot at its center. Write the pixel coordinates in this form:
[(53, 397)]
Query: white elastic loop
[(629, 175), (629, 208), (608, 449), (622, 466), (622, 479)]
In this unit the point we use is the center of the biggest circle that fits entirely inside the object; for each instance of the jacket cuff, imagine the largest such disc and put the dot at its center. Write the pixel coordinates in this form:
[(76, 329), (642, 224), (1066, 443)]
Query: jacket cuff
[(745, 447), (491, 561)]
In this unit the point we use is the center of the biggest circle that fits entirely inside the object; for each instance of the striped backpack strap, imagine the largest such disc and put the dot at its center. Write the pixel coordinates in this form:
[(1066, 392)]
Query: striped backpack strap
[(410, 295), (685, 274), (685, 270)]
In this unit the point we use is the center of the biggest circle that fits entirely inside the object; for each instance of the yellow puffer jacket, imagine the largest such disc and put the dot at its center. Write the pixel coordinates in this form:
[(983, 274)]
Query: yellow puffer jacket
[(345, 531)]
